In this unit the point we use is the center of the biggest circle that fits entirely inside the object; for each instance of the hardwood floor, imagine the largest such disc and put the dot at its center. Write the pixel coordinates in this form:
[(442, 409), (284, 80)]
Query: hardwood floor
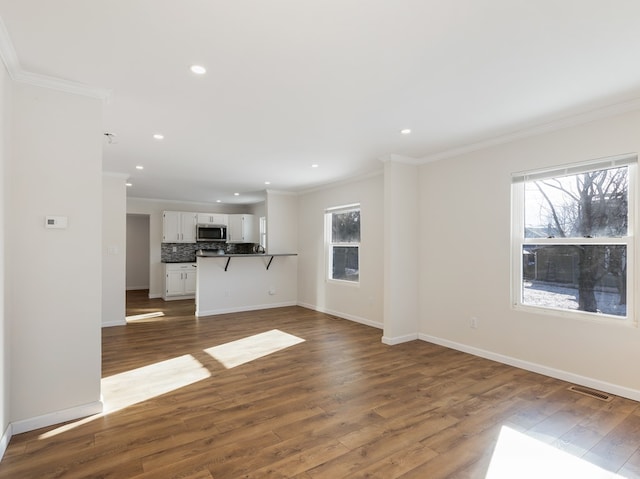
[(339, 404)]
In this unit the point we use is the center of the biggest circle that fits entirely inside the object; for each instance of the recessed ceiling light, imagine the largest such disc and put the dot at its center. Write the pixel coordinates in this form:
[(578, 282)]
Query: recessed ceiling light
[(267, 182), (314, 165), (406, 131), (129, 184), (236, 194), (158, 136), (218, 201), (139, 167), (198, 69)]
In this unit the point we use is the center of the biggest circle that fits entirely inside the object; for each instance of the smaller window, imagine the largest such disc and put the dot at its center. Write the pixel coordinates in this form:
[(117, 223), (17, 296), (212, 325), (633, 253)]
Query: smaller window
[(342, 228), (263, 231)]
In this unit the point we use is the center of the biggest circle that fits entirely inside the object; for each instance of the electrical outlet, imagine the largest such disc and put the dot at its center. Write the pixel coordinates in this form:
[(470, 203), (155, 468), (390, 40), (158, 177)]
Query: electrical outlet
[(473, 323), (227, 294), (272, 290), (174, 249)]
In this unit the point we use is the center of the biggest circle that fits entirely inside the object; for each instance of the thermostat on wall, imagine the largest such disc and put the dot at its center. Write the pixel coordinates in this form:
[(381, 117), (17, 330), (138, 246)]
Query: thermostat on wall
[(59, 222)]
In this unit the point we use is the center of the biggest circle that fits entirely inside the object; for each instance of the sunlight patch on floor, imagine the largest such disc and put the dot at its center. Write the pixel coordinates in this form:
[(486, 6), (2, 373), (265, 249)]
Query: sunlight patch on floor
[(521, 456), (140, 317), (138, 385), (131, 387), (253, 347)]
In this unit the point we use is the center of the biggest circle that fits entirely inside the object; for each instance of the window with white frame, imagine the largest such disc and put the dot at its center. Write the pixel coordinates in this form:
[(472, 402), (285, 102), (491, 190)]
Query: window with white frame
[(573, 238), (342, 232), (263, 231)]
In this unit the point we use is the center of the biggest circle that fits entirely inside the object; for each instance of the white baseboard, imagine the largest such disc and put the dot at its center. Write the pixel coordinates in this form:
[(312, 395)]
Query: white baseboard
[(350, 317), (255, 307), (537, 368), (155, 295), (136, 288), (4, 440), (178, 298), (24, 425), (399, 339), (110, 324)]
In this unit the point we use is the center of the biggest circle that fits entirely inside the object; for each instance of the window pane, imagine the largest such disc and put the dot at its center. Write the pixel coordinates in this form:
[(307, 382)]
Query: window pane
[(345, 263), (591, 204), (589, 278), (345, 227)]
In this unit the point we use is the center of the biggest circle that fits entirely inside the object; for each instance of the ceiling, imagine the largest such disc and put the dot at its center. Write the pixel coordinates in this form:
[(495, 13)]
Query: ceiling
[(293, 83)]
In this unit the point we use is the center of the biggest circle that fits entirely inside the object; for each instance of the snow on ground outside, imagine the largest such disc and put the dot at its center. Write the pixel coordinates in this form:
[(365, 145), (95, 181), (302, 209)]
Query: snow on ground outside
[(562, 297)]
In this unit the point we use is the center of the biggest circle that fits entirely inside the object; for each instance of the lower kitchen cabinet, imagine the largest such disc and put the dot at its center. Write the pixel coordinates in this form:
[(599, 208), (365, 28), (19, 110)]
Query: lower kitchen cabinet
[(179, 281)]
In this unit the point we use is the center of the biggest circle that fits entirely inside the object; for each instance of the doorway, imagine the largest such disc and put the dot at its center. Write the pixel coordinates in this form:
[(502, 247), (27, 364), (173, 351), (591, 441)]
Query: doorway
[(137, 274)]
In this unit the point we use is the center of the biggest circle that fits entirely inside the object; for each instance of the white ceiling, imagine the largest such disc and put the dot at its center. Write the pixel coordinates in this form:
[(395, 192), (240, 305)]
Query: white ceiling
[(332, 82)]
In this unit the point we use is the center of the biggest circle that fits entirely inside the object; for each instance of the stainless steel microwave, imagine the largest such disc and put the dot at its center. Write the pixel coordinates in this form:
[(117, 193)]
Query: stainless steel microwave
[(211, 233)]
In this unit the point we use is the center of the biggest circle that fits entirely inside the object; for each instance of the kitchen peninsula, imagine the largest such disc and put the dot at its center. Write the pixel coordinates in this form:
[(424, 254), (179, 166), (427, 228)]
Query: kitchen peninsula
[(235, 274), (243, 282)]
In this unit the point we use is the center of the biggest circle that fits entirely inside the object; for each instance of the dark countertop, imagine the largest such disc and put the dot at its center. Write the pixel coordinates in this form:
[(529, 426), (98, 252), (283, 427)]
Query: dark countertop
[(234, 255), (226, 255)]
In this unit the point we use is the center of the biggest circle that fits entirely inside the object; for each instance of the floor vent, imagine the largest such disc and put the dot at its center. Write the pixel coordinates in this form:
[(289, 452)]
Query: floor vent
[(591, 393)]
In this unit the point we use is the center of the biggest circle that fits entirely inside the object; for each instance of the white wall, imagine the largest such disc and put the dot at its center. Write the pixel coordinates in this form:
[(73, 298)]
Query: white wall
[(54, 296), (5, 359), (363, 302), (465, 262), (258, 209), (114, 243), (282, 222), (137, 252), (401, 250), (154, 209)]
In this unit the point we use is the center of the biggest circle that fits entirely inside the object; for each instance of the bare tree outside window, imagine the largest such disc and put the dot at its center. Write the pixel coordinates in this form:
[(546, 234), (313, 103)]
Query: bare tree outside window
[(344, 239), (574, 253)]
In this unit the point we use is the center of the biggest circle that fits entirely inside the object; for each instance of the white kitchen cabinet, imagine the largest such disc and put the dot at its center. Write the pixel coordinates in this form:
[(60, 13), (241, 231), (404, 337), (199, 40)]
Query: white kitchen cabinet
[(212, 219), (179, 281), (241, 229), (178, 227)]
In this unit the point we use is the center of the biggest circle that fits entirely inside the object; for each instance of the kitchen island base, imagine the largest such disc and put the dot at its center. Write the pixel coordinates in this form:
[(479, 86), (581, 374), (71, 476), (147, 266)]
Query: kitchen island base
[(234, 283)]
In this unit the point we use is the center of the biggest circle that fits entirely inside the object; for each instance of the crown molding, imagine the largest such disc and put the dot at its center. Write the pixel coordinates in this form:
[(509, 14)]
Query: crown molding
[(281, 192), (409, 160), (186, 202), (115, 174), (66, 86), (342, 182), (559, 124), (7, 52), (17, 74)]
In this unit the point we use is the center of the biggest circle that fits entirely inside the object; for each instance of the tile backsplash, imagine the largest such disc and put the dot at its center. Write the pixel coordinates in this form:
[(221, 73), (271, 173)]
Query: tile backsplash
[(186, 252)]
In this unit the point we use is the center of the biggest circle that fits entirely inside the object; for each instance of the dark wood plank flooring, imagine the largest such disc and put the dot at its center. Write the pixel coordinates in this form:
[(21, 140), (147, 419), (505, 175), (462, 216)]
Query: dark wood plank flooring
[(340, 404)]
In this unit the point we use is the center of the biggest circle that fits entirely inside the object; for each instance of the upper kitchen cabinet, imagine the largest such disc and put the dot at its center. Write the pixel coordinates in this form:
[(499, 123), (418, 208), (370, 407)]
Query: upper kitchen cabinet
[(178, 227), (212, 219), (241, 229)]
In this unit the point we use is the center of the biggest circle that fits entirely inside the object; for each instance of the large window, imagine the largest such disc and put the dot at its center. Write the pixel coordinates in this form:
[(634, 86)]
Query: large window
[(573, 238), (342, 230)]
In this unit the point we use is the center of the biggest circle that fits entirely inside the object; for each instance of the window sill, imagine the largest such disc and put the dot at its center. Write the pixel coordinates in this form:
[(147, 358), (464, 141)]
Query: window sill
[(577, 315), (342, 282)]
